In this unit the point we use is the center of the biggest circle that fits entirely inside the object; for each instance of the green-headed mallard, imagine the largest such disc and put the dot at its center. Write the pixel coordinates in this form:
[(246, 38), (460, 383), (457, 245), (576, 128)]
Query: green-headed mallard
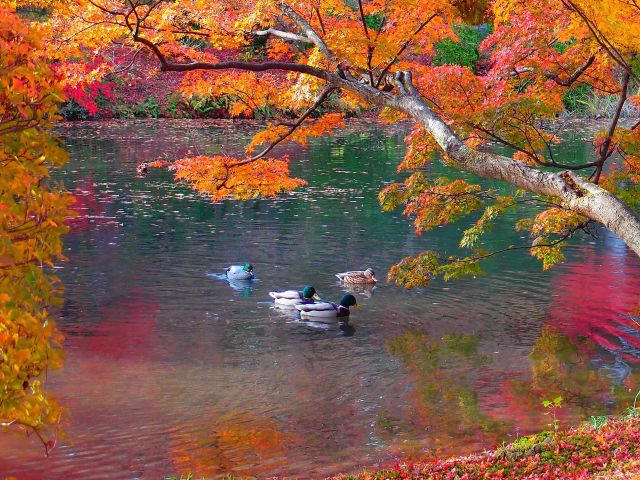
[(240, 272), (358, 276), (291, 298), (328, 309)]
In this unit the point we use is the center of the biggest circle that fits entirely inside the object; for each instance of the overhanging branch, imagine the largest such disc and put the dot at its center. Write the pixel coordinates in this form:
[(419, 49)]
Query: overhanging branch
[(573, 192)]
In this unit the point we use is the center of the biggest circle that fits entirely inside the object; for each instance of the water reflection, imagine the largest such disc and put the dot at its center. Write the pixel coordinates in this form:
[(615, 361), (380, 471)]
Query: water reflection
[(243, 287), (602, 308), (568, 368), (365, 289), (444, 395), (172, 371), (217, 443), (240, 287)]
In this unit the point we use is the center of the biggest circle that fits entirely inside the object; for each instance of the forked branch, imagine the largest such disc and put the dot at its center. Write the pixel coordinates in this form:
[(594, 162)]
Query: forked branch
[(321, 98)]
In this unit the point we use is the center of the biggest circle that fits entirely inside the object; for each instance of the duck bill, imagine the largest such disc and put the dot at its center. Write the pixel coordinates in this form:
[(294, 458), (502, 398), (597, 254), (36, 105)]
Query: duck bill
[(316, 297), (357, 306)]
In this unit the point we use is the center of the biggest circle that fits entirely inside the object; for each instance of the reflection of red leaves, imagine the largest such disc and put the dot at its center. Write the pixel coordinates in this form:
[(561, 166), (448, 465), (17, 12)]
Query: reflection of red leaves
[(89, 207), (603, 314)]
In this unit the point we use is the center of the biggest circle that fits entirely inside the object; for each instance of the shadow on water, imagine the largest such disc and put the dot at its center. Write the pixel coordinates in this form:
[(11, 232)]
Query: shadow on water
[(173, 369)]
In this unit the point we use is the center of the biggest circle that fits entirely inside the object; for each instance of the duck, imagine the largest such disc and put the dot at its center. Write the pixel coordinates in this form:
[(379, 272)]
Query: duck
[(290, 298), (327, 309), (358, 276), (240, 272), (142, 169)]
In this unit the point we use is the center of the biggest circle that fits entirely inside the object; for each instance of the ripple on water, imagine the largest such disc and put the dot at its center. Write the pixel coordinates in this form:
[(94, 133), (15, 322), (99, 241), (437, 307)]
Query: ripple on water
[(171, 369)]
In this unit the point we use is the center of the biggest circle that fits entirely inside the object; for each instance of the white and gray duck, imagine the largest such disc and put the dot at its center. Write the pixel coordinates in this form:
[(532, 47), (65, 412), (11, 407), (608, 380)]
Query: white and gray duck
[(291, 298), (326, 309)]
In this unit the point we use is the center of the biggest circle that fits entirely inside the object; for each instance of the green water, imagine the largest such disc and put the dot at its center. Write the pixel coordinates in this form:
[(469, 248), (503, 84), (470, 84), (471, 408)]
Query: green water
[(172, 370)]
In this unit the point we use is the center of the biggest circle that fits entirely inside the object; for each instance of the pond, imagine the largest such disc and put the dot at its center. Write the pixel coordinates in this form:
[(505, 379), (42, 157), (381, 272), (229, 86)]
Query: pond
[(172, 370)]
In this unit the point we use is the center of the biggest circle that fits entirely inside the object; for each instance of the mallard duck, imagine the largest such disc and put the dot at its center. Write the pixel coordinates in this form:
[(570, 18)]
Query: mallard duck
[(240, 272), (327, 309), (290, 298), (358, 276)]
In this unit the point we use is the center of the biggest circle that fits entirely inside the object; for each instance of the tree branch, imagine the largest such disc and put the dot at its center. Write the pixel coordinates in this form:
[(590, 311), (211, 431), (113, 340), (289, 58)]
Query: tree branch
[(575, 75), (130, 64), (600, 38), (308, 30), (282, 34), (531, 155), (167, 66), (520, 247), (321, 98), (605, 148), (403, 48), (573, 192)]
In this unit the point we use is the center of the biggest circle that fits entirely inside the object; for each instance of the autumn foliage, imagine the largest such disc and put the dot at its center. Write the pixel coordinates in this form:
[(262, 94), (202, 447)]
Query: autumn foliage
[(309, 60), (32, 220), (221, 177)]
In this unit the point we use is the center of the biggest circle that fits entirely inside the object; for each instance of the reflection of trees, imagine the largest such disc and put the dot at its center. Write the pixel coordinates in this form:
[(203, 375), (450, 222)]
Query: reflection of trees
[(565, 367), (90, 206), (448, 396), (227, 444), (444, 398)]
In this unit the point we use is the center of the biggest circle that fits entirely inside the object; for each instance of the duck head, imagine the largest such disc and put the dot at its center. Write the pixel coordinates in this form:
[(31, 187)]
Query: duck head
[(309, 293), (369, 273), (348, 301), (247, 267)]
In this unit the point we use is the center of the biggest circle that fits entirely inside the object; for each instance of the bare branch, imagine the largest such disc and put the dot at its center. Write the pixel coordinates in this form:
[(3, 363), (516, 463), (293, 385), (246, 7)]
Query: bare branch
[(130, 64), (605, 148), (575, 75), (308, 30), (321, 98), (564, 238), (167, 66), (403, 48), (282, 34), (324, 32), (535, 158)]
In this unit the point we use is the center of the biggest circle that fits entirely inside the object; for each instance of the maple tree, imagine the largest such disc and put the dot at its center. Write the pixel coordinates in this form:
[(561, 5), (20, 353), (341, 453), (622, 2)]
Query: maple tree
[(311, 57), (32, 216)]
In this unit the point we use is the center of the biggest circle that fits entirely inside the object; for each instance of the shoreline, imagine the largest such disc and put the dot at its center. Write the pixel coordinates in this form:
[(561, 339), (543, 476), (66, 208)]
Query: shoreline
[(605, 448), (600, 449)]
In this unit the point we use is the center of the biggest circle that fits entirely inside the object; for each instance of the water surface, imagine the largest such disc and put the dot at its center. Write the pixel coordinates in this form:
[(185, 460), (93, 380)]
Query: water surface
[(171, 370)]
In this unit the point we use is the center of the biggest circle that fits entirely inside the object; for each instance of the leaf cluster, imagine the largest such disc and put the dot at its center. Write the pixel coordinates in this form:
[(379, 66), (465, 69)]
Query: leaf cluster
[(32, 221)]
